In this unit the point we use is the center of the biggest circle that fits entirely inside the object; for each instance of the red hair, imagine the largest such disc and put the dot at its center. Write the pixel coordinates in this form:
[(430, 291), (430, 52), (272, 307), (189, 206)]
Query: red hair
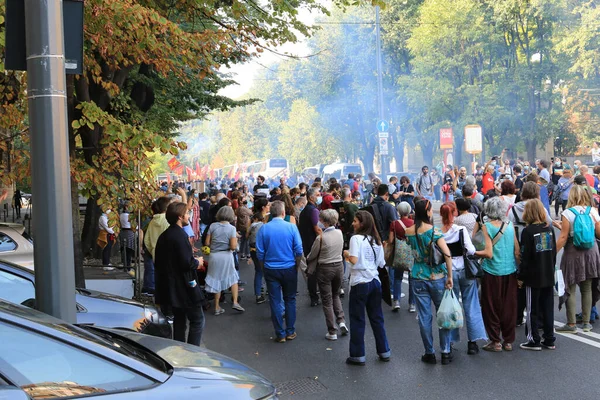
[(447, 211)]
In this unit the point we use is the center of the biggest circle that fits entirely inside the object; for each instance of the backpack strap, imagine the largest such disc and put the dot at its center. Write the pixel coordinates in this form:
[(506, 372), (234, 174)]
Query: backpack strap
[(517, 219), (498, 235), (378, 218)]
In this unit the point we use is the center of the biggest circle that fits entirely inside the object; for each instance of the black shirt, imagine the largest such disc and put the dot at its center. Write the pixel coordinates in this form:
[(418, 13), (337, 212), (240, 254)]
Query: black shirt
[(256, 187), (538, 256)]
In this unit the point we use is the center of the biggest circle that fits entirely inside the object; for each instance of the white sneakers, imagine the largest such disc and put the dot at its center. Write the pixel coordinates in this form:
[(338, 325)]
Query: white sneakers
[(330, 336), (412, 308), (396, 306), (343, 329)]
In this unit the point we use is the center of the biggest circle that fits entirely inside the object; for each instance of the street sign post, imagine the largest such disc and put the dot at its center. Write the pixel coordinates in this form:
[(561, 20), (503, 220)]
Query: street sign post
[(383, 146), (473, 139), (383, 126)]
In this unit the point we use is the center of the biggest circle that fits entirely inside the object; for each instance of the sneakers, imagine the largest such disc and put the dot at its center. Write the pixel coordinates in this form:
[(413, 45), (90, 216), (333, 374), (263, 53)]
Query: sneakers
[(260, 299), (352, 361), (587, 327), (237, 307), (331, 336), (446, 358), (566, 328), (472, 348), (280, 340), (314, 303), (292, 336), (412, 308), (548, 346), (396, 306), (219, 311), (343, 329), (531, 346), (108, 268), (342, 293)]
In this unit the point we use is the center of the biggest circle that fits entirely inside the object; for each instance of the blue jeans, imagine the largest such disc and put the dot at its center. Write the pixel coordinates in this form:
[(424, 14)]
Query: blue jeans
[(425, 292), (470, 303), (282, 285), (366, 296), (396, 276), (258, 273), (148, 272)]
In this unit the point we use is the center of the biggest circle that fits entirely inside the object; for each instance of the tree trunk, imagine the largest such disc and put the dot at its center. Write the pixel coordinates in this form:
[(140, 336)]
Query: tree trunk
[(427, 149), (531, 146), (458, 148), (77, 251), (90, 227)]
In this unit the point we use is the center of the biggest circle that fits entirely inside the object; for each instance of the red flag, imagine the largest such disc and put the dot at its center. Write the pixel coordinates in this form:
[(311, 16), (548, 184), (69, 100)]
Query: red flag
[(178, 170), (169, 178), (173, 163), (198, 170), (188, 172), (212, 174)]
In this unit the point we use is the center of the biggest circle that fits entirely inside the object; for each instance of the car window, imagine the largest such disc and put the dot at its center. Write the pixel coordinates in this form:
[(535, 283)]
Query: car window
[(6, 243), (14, 288), (48, 368)]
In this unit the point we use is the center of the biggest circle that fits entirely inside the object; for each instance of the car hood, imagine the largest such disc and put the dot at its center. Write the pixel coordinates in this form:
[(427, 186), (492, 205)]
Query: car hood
[(107, 296), (195, 362)]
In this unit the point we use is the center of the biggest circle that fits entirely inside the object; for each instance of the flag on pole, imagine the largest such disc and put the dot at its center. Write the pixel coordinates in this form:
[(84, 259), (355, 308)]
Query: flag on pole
[(173, 163), (188, 172), (198, 169)]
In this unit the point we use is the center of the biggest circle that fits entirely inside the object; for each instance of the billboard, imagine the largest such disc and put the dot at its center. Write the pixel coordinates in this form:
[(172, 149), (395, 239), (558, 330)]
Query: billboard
[(446, 140), (473, 139)]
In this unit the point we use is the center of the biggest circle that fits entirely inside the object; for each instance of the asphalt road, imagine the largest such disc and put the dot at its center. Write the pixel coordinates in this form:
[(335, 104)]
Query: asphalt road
[(312, 367)]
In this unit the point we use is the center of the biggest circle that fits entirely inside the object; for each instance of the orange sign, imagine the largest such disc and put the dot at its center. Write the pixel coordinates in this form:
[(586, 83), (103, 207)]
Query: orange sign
[(446, 140)]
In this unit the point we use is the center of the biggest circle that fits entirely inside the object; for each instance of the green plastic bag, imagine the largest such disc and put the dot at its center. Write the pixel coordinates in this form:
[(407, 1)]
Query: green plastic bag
[(450, 315)]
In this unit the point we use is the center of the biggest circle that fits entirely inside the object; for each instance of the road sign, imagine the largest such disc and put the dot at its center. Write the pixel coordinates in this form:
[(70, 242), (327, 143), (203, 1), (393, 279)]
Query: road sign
[(383, 125), (384, 135), (383, 146), (473, 139)]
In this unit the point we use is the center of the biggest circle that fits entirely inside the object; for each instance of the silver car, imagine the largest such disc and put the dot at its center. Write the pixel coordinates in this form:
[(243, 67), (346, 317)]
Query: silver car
[(15, 245)]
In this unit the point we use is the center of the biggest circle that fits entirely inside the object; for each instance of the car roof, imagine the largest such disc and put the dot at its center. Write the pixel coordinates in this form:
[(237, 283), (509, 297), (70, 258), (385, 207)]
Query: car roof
[(16, 227), (44, 324), (19, 269)]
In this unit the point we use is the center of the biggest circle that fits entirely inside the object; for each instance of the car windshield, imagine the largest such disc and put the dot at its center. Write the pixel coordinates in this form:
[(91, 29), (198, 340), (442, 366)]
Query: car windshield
[(129, 348)]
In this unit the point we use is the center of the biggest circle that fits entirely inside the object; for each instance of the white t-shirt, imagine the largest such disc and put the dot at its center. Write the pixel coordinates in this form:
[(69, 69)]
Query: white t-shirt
[(571, 217), (509, 199), (365, 269), (453, 236), (596, 154)]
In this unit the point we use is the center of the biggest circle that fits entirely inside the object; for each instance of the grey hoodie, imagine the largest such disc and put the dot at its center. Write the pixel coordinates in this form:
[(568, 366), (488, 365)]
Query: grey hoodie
[(519, 225)]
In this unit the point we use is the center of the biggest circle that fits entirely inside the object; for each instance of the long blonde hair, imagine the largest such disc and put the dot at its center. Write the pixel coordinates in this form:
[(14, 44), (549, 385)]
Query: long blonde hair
[(580, 196)]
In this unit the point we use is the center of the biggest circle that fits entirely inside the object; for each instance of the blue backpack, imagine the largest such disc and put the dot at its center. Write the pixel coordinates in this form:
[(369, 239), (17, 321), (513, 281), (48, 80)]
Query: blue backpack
[(583, 229)]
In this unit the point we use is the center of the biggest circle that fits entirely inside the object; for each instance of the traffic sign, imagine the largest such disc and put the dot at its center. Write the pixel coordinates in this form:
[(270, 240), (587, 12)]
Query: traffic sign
[(383, 125), (383, 146), (384, 135)]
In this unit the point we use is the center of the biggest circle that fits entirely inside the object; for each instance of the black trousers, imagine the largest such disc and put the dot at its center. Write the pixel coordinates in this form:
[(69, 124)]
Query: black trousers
[(196, 317), (521, 304), (312, 287), (540, 309)]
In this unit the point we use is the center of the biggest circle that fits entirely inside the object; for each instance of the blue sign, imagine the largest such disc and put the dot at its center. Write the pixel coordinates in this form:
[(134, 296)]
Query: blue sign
[(383, 126)]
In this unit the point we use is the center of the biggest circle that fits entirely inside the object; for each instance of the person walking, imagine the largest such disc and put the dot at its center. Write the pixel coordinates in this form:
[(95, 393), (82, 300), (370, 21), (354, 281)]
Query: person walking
[(127, 240), (398, 231), (365, 256), (18, 202), (257, 223), (326, 255), (278, 250), (425, 184), (499, 282), (459, 243), (580, 265), (106, 239), (309, 230), (536, 274), (221, 274), (155, 228), (407, 191), (429, 280), (177, 288)]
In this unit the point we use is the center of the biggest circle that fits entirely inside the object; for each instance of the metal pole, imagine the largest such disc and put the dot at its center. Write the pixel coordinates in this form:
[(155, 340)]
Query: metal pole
[(50, 173), (383, 158)]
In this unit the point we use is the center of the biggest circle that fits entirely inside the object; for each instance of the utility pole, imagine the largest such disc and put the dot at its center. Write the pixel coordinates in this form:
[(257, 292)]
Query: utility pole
[(50, 172), (382, 151)]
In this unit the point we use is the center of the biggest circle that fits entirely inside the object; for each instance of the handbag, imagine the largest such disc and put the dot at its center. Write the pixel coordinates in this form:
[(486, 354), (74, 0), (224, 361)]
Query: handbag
[(388, 253), (436, 256), (472, 264), (311, 266), (384, 278), (403, 254)]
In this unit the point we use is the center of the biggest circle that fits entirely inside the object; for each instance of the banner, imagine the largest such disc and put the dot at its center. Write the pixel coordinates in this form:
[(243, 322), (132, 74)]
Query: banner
[(198, 170), (189, 172), (446, 140), (173, 163), (178, 170)]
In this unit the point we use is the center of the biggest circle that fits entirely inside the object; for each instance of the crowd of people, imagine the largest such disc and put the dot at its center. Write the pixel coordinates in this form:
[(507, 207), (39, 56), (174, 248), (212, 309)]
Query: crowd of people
[(496, 248)]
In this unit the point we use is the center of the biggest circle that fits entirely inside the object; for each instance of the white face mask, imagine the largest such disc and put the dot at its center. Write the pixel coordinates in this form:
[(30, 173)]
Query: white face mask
[(319, 200)]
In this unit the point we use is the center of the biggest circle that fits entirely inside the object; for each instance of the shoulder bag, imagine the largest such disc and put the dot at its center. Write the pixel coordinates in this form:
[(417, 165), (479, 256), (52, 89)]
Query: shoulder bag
[(311, 266), (436, 256), (472, 264), (384, 278), (403, 254)]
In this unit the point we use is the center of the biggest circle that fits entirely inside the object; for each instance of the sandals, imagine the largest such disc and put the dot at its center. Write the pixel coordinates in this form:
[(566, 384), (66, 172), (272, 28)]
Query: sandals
[(507, 346), (493, 347)]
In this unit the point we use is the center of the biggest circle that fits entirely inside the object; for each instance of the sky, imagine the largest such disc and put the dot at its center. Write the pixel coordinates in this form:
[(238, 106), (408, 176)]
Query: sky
[(244, 74)]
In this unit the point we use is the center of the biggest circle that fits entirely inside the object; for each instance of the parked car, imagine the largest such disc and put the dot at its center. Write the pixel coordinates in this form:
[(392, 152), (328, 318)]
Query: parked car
[(44, 357), (17, 285), (15, 245)]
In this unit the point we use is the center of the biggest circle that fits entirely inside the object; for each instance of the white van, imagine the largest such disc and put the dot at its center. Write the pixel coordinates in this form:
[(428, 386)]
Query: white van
[(340, 171)]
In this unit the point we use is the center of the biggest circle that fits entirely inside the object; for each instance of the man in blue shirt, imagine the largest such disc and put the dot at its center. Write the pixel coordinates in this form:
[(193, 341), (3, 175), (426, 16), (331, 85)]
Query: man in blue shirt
[(278, 247)]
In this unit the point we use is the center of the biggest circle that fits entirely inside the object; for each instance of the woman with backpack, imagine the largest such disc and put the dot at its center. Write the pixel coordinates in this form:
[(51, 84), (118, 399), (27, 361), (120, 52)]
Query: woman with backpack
[(580, 264), (398, 231), (459, 243), (430, 278)]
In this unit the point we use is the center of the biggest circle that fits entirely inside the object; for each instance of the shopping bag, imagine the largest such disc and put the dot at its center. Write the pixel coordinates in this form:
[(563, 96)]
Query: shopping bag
[(449, 315), (559, 282)]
